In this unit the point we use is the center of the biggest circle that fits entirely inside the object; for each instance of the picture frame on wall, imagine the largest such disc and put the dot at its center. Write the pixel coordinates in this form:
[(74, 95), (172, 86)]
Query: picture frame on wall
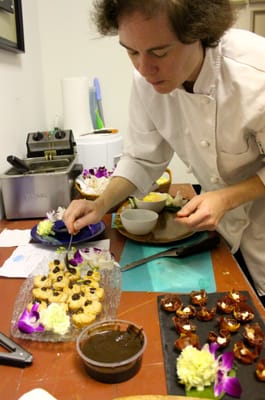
[(7, 5), (258, 22), (11, 26)]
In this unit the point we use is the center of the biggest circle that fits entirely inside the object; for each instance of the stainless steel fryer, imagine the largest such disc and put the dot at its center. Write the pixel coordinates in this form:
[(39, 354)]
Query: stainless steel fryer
[(45, 179)]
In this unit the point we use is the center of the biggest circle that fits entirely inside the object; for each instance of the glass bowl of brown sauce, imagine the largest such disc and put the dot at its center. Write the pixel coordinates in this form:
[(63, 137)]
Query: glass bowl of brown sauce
[(112, 350)]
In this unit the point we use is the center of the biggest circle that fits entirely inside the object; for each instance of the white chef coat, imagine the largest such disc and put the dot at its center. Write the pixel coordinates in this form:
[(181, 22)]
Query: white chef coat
[(218, 131)]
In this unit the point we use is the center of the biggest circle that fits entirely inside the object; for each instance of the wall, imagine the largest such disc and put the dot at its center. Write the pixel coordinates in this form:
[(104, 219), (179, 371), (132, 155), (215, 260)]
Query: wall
[(21, 96), (245, 14), (70, 47)]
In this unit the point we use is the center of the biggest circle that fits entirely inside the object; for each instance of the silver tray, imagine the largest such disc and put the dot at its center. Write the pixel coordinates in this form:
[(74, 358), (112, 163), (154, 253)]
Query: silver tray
[(110, 281)]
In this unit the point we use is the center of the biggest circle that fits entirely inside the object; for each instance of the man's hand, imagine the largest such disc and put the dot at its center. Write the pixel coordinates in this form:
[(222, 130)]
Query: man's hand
[(203, 212), (81, 213)]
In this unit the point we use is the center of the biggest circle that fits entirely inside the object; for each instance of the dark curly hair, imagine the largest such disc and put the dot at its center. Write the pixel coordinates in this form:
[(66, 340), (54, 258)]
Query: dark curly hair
[(191, 20)]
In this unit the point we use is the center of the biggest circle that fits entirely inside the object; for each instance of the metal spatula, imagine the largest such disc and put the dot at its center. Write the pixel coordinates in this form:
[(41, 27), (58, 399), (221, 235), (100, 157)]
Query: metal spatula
[(208, 243), (66, 257)]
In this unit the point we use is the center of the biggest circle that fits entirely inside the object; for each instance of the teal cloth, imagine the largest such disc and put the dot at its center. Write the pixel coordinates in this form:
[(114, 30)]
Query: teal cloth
[(167, 274)]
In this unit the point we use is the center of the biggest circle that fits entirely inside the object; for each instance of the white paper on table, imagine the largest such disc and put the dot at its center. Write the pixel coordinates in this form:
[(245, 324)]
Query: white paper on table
[(25, 259), (14, 237)]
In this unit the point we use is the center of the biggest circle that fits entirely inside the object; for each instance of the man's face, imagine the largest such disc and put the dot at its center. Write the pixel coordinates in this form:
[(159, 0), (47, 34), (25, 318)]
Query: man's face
[(156, 52)]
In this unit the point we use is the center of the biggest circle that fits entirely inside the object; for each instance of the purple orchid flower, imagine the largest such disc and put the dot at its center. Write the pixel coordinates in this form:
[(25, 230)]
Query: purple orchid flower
[(85, 173), (97, 172), (102, 171), (224, 382), (91, 171), (29, 320), (77, 259)]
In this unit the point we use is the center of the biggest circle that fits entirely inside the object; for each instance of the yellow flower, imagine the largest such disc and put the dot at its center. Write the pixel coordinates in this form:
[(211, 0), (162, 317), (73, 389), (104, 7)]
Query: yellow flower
[(54, 318), (197, 368), (44, 228)]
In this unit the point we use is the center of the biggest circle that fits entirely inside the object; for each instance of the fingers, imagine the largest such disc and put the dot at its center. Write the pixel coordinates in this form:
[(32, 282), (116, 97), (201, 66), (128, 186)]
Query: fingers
[(77, 215), (199, 214), (82, 222), (196, 221), (196, 227), (189, 208)]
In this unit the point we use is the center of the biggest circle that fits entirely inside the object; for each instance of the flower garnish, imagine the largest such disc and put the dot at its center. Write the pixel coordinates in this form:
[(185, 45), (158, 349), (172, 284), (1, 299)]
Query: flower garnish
[(44, 228), (56, 215), (95, 180), (77, 259), (203, 371), (97, 172), (197, 368), (54, 318), (29, 320), (225, 383), (96, 257)]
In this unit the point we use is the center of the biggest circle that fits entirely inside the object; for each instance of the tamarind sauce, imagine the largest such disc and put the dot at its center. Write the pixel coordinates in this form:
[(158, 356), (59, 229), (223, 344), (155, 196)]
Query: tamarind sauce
[(112, 346)]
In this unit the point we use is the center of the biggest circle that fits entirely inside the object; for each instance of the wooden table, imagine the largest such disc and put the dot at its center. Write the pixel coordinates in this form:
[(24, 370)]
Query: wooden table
[(56, 366)]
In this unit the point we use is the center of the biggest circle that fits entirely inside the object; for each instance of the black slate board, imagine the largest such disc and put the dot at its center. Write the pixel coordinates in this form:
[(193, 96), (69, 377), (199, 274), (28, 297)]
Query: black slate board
[(252, 388)]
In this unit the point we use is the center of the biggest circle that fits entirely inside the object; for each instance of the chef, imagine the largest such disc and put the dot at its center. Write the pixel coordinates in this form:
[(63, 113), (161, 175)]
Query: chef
[(198, 91)]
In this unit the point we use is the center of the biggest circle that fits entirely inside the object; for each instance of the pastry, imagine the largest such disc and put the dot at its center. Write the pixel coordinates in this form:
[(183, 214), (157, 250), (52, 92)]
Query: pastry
[(41, 293), (82, 319), (92, 307), (56, 266), (57, 296), (40, 281), (74, 275), (198, 297), (72, 288), (93, 274), (60, 282), (75, 302), (94, 293), (170, 302), (90, 283)]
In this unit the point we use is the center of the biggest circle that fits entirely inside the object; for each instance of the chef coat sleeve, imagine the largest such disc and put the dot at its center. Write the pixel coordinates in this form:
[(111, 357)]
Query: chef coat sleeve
[(260, 140)]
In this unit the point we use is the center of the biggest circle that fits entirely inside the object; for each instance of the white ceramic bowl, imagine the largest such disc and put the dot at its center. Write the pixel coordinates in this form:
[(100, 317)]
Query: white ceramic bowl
[(138, 221), (108, 359), (153, 201)]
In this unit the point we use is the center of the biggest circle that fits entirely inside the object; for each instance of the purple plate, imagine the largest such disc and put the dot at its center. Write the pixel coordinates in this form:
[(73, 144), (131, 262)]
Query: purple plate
[(62, 237)]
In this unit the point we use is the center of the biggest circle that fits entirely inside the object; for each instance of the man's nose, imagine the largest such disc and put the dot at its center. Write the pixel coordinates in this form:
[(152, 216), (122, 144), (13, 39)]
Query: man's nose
[(146, 65)]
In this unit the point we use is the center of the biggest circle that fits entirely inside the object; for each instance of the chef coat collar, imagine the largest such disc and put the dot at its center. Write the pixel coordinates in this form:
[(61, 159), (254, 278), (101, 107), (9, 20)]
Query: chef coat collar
[(206, 82)]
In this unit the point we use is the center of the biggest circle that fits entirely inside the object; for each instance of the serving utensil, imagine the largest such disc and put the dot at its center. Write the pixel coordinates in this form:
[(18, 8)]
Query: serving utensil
[(15, 354), (211, 241), (66, 257)]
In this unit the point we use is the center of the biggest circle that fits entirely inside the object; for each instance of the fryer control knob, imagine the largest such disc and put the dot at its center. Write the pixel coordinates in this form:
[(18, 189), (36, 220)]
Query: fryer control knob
[(60, 134), (37, 136)]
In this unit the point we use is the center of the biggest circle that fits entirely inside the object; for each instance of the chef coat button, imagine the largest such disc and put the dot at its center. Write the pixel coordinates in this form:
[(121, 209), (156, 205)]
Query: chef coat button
[(186, 131), (204, 143), (214, 179), (206, 100), (189, 169)]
